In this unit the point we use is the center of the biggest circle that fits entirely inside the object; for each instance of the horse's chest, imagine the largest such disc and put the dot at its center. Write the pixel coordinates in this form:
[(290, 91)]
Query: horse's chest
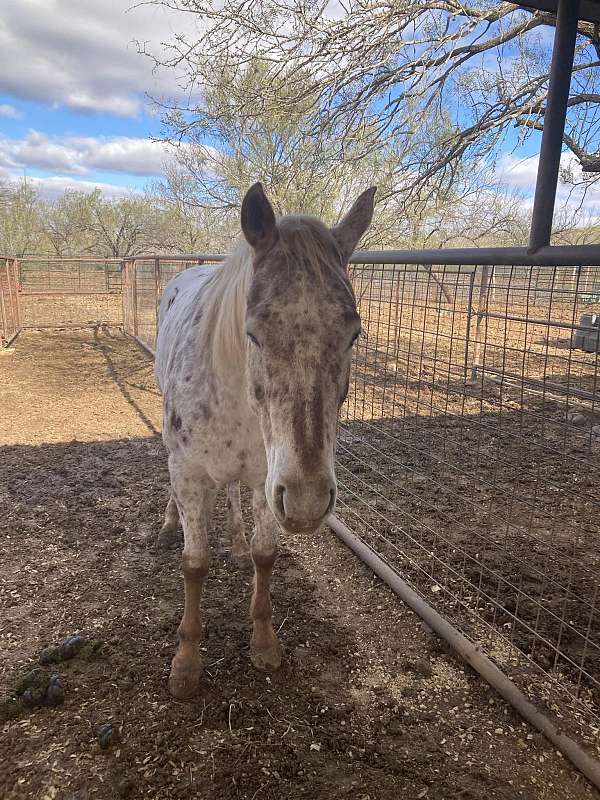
[(221, 437), (233, 450)]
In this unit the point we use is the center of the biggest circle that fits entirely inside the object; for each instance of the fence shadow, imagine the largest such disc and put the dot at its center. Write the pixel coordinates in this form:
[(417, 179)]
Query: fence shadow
[(487, 507), (120, 379)]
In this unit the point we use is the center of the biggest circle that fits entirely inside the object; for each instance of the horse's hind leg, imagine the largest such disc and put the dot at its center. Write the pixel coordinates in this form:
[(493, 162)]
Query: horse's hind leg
[(196, 501), (168, 533), (265, 650), (240, 552)]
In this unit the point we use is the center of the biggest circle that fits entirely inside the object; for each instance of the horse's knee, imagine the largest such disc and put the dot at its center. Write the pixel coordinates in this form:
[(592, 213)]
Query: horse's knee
[(264, 550), (195, 565)]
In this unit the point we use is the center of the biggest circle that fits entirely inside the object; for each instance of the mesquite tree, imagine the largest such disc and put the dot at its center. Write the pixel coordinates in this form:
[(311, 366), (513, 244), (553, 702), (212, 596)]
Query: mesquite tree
[(377, 72)]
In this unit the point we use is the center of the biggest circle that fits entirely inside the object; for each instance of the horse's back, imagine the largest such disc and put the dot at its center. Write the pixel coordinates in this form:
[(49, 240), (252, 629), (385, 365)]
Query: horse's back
[(175, 313)]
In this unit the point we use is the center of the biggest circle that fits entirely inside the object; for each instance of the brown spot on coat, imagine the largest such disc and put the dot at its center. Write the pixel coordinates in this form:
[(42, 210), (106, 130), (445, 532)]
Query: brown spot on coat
[(205, 410), (175, 420)]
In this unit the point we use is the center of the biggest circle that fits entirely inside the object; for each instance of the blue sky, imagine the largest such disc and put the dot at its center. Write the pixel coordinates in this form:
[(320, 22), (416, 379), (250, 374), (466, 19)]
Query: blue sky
[(73, 96), (73, 93)]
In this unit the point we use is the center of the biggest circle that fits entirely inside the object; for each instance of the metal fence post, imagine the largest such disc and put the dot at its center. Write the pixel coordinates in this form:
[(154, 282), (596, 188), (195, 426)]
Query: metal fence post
[(482, 303), (469, 316), (16, 270), (134, 295), (11, 298), (124, 298), (156, 295), (3, 318)]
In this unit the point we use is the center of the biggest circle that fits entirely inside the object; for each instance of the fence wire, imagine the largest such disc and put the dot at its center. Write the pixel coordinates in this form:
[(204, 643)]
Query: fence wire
[(469, 458), (69, 292), (81, 275), (144, 281)]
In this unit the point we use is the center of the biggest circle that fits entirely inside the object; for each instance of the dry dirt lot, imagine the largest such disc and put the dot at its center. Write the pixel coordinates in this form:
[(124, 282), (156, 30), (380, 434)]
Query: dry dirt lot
[(368, 704)]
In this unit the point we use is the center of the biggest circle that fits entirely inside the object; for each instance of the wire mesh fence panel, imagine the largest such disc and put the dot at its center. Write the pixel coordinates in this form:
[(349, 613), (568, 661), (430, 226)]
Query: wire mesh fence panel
[(145, 284), (146, 294), (9, 300), (127, 298), (168, 270), (469, 457), (70, 292), (70, 275), (58, 309)]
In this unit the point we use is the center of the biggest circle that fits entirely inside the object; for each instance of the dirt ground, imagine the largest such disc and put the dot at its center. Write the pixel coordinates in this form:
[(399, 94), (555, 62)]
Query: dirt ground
[(368, 704)]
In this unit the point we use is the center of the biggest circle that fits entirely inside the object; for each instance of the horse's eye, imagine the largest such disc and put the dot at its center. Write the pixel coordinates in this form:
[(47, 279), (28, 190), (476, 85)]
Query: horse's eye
[(354, 338), (253, 339)]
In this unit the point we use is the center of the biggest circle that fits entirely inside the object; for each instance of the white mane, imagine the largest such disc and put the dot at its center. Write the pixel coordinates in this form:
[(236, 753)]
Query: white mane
[(223, 304)]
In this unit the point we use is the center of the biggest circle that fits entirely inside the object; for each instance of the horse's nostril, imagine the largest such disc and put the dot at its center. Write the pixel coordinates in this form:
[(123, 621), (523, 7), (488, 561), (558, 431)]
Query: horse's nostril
[(279, 493)]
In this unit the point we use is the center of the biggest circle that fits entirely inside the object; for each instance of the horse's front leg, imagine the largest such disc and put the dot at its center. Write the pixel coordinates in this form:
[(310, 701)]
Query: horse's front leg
[(195, 502), (265, 650)]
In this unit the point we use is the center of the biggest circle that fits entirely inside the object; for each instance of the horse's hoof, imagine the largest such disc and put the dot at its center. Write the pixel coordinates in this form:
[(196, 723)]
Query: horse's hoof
[(184, 683), (167, 538), (268, 659)]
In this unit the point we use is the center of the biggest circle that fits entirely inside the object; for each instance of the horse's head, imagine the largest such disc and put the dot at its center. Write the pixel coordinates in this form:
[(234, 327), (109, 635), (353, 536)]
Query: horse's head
[(301, 322)]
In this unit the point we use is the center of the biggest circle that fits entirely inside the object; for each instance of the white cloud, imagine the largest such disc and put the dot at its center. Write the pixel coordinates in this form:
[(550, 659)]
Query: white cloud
[(9, 112), (81, 54), (518, 172), (81, 155), (53, 187), (133, 156), (521, 173)]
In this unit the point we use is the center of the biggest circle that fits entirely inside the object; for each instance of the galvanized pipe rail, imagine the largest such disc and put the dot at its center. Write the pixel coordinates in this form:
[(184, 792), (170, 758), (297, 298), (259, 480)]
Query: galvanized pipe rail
[(552, 256)]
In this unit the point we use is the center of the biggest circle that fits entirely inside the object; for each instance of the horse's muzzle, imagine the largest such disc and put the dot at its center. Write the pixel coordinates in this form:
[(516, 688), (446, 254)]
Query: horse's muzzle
[(301, 506)]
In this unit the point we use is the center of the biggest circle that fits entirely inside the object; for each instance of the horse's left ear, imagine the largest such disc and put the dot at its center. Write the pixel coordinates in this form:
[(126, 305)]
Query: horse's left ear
[(258, 218), (348, 232)]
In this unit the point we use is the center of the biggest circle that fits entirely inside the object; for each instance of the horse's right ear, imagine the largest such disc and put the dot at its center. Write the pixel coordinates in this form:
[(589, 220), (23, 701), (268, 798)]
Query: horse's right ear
[(258, 218)]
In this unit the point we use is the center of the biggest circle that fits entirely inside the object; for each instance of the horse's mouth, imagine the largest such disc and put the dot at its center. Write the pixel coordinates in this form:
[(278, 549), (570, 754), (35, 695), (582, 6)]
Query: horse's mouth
[(301, 526)]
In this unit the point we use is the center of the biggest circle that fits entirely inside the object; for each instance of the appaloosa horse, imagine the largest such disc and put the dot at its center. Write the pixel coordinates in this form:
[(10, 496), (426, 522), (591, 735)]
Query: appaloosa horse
[(253, 360)]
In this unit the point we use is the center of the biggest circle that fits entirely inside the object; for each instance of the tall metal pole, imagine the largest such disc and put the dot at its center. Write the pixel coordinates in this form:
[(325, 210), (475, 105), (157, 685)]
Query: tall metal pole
[(554, 123)]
